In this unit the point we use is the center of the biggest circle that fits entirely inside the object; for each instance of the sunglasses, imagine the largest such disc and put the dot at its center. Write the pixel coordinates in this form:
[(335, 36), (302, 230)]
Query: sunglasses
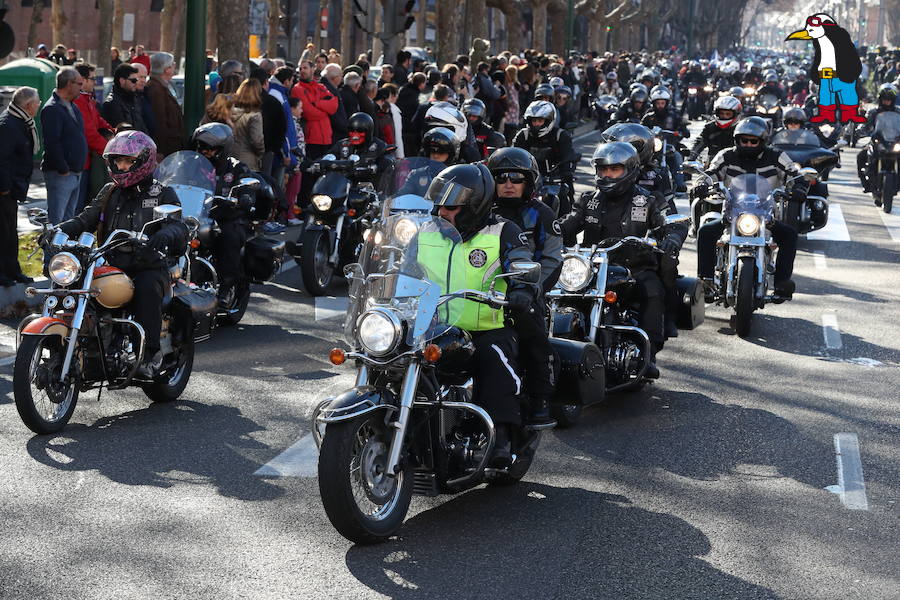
[(817, 22), (515, 178), (133, 80), (451, 208), (749, 141)]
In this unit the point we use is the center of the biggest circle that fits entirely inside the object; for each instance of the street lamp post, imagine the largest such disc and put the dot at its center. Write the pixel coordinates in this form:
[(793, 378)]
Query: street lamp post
[(194, 64)]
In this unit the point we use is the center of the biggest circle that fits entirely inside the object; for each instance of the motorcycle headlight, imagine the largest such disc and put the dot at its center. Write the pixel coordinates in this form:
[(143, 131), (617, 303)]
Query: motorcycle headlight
[(657, 145), (692, 91), (378, 331), (576, 273), (404, 230), (322, 202), (747, 225), (897, 147), (64, 269), (773, 110), (708, 89)]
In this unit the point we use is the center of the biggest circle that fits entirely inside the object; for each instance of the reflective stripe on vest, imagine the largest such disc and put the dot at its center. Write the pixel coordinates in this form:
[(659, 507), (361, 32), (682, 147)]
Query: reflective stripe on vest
[(468, 265)]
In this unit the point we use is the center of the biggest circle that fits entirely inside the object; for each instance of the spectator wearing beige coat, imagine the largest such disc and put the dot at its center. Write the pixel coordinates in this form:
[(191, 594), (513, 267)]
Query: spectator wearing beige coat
[(249, 142)]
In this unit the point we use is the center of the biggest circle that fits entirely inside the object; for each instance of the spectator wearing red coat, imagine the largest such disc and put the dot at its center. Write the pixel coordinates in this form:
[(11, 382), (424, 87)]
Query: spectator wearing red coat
[(318, 106), (96, 129), (141, 57)]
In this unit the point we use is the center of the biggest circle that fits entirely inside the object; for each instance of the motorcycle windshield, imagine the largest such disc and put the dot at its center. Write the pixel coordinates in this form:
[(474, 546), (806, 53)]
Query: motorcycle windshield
[(406, 189), (749, 193), (799, 137), (769, 100), (607, 101), (192, 177), (887, 126), (403, 270)]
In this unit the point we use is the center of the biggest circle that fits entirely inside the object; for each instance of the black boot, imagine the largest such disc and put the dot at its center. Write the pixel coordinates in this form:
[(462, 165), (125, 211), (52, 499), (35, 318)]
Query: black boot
[(539, 416), (784, 290), (671, 328), (502, 453), (652, 371)]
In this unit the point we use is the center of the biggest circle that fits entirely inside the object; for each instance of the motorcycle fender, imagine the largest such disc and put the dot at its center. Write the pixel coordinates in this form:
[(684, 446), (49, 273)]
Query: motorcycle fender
[(47, 326), (565, 323), (359, 400)]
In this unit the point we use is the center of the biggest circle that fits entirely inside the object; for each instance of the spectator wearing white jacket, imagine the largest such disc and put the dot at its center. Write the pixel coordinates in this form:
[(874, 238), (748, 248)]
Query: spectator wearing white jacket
[(394, 92)]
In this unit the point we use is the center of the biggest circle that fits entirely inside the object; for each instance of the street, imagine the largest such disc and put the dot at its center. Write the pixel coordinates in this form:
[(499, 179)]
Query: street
[(721, 480)]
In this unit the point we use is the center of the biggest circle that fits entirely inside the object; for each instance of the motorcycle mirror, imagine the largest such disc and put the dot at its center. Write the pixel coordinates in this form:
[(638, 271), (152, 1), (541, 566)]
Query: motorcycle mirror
[(527, 271), (38, 216), (676, 219), (692, 166), (329, 157), (354, 158), (170, 212), (841, 143), (809, 174), (245, 186)]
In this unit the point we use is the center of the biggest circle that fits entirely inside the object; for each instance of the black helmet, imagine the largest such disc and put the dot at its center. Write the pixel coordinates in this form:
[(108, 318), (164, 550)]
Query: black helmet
[(473, 107), (616, 153), (440, 139), (887, 91), (517, 160), (470, 187), (795, 114), (635, 134), (545, 91), (360, 123), (638, 95), (214, 136), (564, 90), (751, 127)]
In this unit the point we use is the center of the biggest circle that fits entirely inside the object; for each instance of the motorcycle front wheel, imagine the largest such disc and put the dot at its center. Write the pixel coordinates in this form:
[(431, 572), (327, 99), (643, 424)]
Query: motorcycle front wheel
[(314, 266), (888, 189), (170, 384), (363, 503), (44, 403), (745, 300)]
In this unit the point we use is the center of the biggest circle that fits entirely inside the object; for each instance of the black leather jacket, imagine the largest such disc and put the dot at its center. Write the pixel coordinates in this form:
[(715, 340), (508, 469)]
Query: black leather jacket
[(553, 149), (535, 219), (668, 119), (714, 139)]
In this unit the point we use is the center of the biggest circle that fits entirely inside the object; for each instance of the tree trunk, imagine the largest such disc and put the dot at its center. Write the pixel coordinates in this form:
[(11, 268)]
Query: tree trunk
[(58, 22), (478, 26), (421, 22), (37, 12), (449, 17), (118, 17), (347, 25), (232, 23), (105, 36), (539, 25), (167, 26), (274, 28), (556, 16), (180, 33), (514, 22), (212, 29)]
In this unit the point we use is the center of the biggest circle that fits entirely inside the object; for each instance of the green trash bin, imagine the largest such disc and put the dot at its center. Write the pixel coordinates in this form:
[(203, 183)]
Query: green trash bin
[(34, 72)]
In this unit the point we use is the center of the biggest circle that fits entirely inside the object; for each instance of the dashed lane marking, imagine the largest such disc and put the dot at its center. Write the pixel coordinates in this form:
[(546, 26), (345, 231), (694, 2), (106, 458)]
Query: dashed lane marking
[(892, 222), (300, 460), (836, 229), (819, 259), (831, 331), (329, 307), (851, 486)]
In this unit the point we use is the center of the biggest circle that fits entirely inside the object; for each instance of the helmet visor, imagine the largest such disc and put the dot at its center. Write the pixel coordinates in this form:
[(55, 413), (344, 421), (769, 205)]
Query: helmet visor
[(448, 193)]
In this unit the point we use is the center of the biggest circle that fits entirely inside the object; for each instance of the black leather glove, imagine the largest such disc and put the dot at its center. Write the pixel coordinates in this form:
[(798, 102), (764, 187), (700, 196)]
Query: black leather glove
[(520, 300), (160, 241), (798, 194), (700, 191), (670, 246), (245, 202)]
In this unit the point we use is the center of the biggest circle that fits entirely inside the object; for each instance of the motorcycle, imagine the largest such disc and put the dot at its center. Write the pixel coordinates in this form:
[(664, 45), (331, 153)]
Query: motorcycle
[(193, 178), (885, 143), (333, 229), (695, 100), (553, 190), (769, 108), (594, 324), (665, 151), (804, 148), (408, 426), (605, 107), (85, 337)]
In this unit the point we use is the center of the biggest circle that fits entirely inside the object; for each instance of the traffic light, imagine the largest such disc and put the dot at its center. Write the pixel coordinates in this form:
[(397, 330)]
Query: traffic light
[(364, 14), (7, 36)]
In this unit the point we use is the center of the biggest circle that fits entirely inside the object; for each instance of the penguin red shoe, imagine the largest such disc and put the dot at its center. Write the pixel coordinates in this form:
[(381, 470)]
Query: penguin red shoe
[(826, 114), (851, 113)]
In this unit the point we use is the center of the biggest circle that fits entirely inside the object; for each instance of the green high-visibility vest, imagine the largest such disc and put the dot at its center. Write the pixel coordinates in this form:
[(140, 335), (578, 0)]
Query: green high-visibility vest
[(469, 265)]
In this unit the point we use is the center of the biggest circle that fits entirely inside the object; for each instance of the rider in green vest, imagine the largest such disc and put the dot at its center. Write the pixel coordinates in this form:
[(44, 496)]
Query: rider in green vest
[(463, 196)]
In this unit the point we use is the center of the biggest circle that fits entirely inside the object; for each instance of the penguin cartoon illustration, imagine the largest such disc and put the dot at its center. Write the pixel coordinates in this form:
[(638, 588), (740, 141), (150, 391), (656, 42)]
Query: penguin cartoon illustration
[(835, 68)]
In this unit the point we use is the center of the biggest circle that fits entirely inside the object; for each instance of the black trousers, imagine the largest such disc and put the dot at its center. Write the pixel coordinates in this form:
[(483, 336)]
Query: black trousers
[(313, 153), (229, 243), (652, 304), (9, 237), (497, 383), (535, 353), (784, 235), (149, 289), (668, 274)]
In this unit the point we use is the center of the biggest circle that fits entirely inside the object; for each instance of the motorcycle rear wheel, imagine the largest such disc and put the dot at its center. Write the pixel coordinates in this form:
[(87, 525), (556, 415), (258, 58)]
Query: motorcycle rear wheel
[(37, 368), (169, 386), (237, 304), (745, 300), (317, 272), (363, 503)]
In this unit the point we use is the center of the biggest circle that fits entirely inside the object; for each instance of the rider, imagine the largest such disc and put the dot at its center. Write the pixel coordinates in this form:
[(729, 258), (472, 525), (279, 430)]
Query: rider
[(619, 208), (718, 134), (771, 86), (128, 203), (442, 147), (694, 76), (445, 114), (551, 145), (215, 141), (372, 151), (866, 161), (634, 108), (751, 155), (664, 116), (568, 111), (486, 138), (462, 195), (795, 118), (515, 174)]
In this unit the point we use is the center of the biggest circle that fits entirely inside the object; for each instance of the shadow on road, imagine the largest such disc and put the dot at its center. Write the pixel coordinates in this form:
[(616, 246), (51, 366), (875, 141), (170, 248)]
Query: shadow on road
[(163, 445), (540, 541)]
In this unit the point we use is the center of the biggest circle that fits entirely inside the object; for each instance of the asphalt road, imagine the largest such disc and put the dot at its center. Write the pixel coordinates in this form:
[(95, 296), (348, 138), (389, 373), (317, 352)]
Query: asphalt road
[(710, 484)]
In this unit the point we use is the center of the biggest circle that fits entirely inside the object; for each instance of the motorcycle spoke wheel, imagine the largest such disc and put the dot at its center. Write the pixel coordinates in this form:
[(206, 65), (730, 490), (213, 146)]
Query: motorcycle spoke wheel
[(44, 403)]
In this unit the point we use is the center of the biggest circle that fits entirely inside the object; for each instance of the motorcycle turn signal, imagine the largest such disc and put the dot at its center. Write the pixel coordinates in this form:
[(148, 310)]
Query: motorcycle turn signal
[(337, 356)]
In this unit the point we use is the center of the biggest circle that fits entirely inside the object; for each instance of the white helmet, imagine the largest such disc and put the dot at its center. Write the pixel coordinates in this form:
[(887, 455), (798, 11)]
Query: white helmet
[(556, 82), (727, 103), (660, 92), (543, 110), (445, 114)]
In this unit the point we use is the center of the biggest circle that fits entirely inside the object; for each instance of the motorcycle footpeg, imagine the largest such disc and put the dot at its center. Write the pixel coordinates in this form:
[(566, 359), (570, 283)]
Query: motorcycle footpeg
[(539, 426)]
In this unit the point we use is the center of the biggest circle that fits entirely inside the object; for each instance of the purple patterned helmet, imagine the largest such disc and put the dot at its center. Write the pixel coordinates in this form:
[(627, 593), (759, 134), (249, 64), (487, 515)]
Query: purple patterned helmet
[(132, 144)]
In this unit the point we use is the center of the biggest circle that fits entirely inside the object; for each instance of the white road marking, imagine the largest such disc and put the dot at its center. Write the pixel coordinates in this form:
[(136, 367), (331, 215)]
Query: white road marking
[(892, 222), (819, 259), (300, 460), (831, 331), (329, 307), (851, 486), (288, 264), (683, 204), (835, 230)]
